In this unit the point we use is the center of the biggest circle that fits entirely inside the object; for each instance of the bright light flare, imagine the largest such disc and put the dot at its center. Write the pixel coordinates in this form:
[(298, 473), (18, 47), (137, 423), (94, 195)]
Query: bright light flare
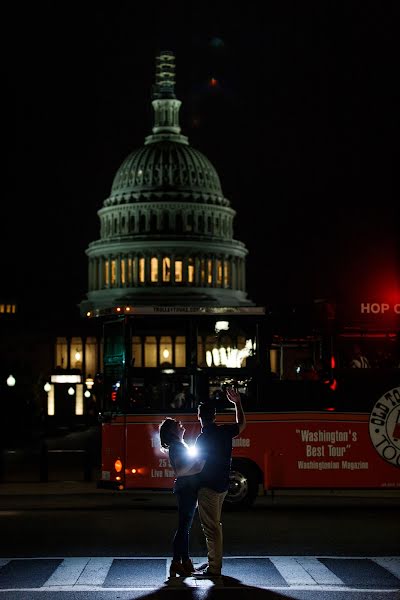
[(192, 451)]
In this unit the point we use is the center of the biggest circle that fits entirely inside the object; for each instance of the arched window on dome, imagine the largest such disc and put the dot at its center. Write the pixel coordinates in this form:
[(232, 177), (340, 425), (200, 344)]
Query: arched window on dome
[(209, 225), (123, 270), (142, 270), (219, 272), (132, 224), (123, 225), (154, 269), (209, 271), (227, 279), (153, 222), (179, 223), (129, 271), (142, 224), (165, 224), (189, 222), (166, 269), (178, 271), (190, 272), (113, 271), (106, 273), (200, 224), (202, 271)]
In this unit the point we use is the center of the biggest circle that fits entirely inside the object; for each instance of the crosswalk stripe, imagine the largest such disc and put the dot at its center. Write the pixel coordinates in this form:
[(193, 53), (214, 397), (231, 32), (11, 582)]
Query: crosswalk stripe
[(95, 571), (292, 571), (68, 572), (390, 563), (319, 572)]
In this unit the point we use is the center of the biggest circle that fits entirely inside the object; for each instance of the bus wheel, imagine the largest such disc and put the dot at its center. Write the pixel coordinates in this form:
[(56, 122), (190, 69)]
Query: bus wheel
[(243, 486)]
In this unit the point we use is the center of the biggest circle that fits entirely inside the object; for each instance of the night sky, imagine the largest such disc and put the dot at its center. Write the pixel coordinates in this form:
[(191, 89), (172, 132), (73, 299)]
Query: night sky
[(300, 125)]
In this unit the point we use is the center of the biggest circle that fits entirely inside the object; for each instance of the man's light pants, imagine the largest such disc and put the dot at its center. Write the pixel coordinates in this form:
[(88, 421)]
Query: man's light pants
[(210, 508)]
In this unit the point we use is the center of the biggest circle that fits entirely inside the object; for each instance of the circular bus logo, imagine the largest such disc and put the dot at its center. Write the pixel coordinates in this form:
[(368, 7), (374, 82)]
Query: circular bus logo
[(384, 426)]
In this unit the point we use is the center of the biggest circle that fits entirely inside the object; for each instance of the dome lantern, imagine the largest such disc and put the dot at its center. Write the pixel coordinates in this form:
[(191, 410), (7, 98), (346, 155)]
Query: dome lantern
[(165, 104)]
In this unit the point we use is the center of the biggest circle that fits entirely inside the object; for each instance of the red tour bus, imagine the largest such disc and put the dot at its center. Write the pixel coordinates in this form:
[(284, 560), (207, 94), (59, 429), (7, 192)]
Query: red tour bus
[(314, 419)]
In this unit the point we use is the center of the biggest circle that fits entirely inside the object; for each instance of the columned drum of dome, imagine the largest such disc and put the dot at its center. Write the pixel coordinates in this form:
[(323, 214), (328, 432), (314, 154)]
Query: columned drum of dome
[(166, 230)]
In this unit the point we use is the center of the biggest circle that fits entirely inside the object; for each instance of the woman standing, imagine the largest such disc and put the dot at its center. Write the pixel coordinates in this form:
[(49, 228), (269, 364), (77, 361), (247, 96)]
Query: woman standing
[(185, 487)]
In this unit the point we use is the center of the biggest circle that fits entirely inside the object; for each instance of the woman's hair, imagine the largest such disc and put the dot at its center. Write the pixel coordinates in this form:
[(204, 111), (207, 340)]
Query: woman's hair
[(167, 432)]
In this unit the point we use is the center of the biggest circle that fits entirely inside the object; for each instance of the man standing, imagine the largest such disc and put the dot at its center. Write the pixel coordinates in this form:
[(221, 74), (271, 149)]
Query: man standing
[(214, 444)]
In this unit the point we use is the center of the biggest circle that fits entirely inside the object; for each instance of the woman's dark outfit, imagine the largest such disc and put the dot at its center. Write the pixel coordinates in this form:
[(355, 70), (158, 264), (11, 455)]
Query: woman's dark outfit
[(185, 488)]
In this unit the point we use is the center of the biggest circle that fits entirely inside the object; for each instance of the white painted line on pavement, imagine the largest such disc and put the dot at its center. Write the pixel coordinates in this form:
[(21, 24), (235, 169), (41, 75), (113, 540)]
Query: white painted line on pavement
[(95, 571), (67, 573), (284, 590), (390, 563), (292, 571), (318, 571)]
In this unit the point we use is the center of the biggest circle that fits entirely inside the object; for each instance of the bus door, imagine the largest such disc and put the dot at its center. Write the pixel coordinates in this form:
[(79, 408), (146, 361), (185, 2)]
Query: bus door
[(116, 367)]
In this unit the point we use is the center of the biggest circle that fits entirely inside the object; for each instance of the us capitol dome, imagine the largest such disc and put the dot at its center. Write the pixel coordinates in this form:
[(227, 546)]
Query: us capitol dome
[(166, 230)]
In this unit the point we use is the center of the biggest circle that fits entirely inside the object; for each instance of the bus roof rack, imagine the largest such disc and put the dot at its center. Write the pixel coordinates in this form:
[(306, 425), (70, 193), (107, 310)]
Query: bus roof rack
[(176, 310)]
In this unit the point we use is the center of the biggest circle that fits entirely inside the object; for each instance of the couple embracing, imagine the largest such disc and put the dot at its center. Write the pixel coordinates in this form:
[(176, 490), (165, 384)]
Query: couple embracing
[(201, 482)]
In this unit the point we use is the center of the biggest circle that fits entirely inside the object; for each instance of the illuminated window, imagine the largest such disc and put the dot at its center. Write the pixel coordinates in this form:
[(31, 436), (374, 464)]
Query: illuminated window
[(91, 354), (180, 351), (106, 277), (79, 399), (226, 274), (178, 271), (141, 270), (219, 272), (2, 308), (113, 271), (150, 351), (165, 349), (202, 271), (50, 401), (61, 352), (137, 350), (190, 270), (129, 271), (209, 271), (166, 266), (123, 271), (274, 360), (154, 269), (76, 353)]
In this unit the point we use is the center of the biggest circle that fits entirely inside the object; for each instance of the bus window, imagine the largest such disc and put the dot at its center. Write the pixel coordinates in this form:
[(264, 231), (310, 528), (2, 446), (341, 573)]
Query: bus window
[(226, 343)]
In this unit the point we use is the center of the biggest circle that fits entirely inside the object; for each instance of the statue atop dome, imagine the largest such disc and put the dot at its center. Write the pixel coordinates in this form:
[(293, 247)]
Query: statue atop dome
[(165, 76)]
